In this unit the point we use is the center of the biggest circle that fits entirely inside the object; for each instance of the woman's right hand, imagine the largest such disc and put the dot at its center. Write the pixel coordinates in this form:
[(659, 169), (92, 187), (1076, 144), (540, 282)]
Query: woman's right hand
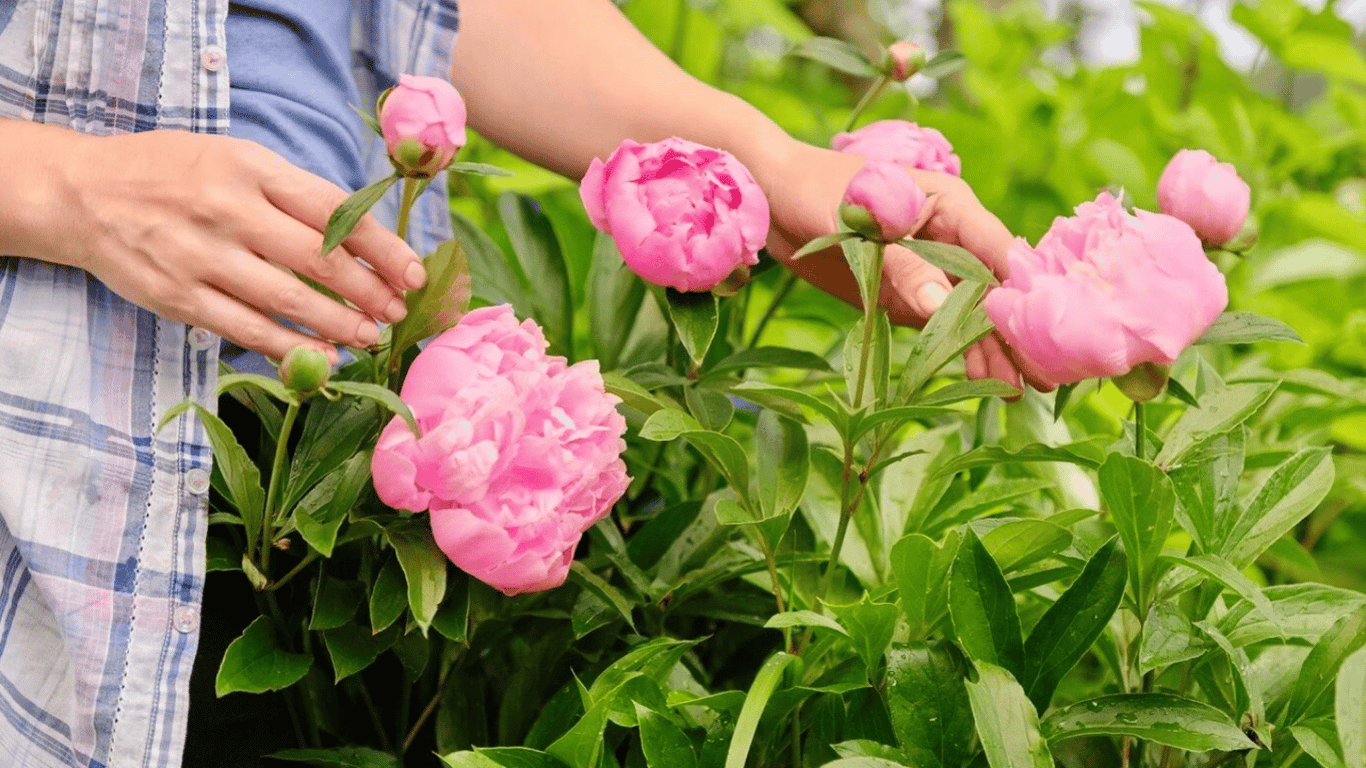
[(202, 229)]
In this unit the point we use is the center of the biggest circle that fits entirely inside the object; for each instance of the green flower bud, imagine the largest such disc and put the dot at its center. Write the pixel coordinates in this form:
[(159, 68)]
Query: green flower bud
[(305, 370), (1144, 382)]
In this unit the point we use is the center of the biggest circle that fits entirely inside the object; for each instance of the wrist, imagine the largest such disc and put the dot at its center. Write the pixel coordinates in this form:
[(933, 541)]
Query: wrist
[(39, 163)]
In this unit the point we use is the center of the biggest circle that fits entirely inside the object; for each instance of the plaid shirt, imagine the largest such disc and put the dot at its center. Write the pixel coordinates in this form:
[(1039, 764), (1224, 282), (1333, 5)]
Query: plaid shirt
[(102, 517)]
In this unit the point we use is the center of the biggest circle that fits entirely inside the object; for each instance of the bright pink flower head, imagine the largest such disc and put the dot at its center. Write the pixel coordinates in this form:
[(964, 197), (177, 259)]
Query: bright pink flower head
[(1206, 194), (1105, 291), (423, 122), (683, 215), (889, 195), (898, 141), (519, 454)]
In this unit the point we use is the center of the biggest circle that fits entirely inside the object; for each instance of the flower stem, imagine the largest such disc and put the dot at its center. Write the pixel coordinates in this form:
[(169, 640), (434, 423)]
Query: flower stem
[(1139, 428), (277, 469), (869, 316), (410, 186), (309, 558), (868, 96)]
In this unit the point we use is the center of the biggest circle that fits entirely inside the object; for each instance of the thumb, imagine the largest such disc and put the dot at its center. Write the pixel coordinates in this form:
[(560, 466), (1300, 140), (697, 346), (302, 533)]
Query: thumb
[(912, 288)]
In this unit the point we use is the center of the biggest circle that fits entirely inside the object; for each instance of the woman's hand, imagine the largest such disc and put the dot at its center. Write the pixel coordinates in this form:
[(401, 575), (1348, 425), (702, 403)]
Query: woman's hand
[(205, 230), (804, 196)]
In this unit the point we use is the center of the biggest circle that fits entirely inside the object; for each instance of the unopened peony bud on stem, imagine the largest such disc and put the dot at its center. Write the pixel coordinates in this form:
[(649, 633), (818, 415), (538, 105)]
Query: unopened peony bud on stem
[(304, 370), (1206, 194), (882, 202), (423, 122), (1144, 382), (903, 60)]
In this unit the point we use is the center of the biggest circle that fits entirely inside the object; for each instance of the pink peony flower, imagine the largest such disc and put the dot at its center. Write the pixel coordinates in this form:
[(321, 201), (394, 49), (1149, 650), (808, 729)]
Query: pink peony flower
[(519, 454), (683, 215), (898, 141), (423, 122), (1206, 194), (1106, 291), (886, 193)]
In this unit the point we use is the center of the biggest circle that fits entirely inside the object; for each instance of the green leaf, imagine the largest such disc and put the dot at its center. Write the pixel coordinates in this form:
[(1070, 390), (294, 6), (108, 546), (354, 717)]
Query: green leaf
[(695, 316), (229, 382), (340, 757), (243, 479), (388, 596), (777, 397), (334, 603), (783, 463), (479, 169), (765, 683), (1084, 454), (989, 498), (382, 395), (1074, 622), (952, 259), (664, 744), (256, 662), (1018, 544), (921, 568), (1223, 572), (350, 212), (352, 649), (614, 302), (502, 757), (821, 243), (804, 619), (966, 390), (1157, 717), (929, 704), (865, 261), (1324, 53), (1060, 399), (1293, 491), (424, 567), (722, 450), (1142, 504), (441, 302), (1319, 741), (1221, 411), (1350, 706), (1168, 638), (1006, 722), (581, 575), (837, 54), (712, 409), (983, 608), (943, 64), (1179, 391), (333, 432), (870, 627), (1321, 666), (770, 357), (896, 416), (1209, 490), (494, 276), (1247, 328), (958, 324), (452, 619), (863, 761), (320, 513), (538, 251)]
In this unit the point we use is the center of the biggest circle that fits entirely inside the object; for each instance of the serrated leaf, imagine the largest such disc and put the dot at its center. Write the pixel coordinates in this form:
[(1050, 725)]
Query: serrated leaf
[(256, 662), (351, 211)]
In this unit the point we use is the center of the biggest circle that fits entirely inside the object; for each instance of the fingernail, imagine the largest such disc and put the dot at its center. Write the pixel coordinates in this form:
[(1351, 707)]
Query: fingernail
[(415, 276), (367, 334), (930, 296), (396, 310)]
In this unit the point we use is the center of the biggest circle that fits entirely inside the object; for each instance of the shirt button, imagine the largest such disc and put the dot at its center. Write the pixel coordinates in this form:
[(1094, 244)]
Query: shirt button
[(200, 339), (197, 480), (213, 58), (186, 619)]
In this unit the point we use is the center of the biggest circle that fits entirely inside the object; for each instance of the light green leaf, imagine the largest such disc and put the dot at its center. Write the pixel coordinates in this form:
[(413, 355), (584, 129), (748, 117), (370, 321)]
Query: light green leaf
[(1224, 573), (983, 608), (424, 567), (944, 63), (783, 463), (1221, 411), (1319, 740), (502, 757), (870, 627), (1142, 503), (351, 211), (921, 568), (664, 744), (1321, 666), (1006, 722), (243, 479), (765, 683), (1247, 328), (382, 395), (952, 259), (804, 619), (958, 324), (821, 243), (441, 302), (478, 169), (1293, 491), (1350, 706), (966, 390), (722, 450), (837, 54), (1157, 717)]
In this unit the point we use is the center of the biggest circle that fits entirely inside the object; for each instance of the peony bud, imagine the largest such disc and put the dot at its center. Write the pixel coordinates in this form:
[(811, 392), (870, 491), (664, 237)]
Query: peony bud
[(903, 60), (882, 202), (423, 122), (1144, 381), (1206, 194), (304, 370)]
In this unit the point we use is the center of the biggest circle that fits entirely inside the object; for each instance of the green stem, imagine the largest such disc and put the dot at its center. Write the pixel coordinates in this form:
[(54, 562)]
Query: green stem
[(1139, 429), (868, 96), (375, 718), (309, 558), (869, 316), (410, 185), (274, 489)]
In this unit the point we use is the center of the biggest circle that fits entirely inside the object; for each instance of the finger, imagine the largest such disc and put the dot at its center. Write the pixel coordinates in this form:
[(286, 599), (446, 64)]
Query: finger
[(249, 329), (954, 215), (289, 242), (311, 200), (976, 360), (275, 293), (1032, 372), (912, 287)]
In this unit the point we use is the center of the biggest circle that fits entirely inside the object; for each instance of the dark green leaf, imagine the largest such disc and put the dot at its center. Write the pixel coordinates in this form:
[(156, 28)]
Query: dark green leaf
[(256, 662), (723, 450), (614, 302), (770, 357), (352, 649), (230, 382), (1060, 399), (452, 619), (244, 489), (1168, 638), (837, 54), (351, 211), (424, 567), (1085, 454), (333, 433), (1018, 544), (388, 596), (696, 316), (581, 575), (870, 627), (341, 757), (921, 568), (983, 608), (664, 744), (494, 276), (1142, 504), (321, 511), (382, 395), (441, 302), (1178, 391), (1223, 572), (952, 259), (1070, 626), (929, 704), (865, 261), (783, 462), (1157, 717), (1006, 722), (1294, 490), (538, 250), (712, 408), (334, 603)]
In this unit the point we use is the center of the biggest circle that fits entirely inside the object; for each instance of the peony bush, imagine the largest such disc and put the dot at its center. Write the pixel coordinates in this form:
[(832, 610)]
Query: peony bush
[(577, 511)]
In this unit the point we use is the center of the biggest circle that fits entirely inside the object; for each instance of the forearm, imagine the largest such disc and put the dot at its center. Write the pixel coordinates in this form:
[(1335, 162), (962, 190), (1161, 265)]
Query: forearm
[(561, 82), (31, 180)]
